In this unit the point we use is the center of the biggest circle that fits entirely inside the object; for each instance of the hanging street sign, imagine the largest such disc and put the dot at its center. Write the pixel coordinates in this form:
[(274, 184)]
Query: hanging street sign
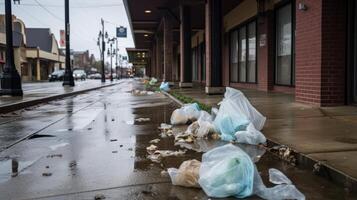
[(121, 32)]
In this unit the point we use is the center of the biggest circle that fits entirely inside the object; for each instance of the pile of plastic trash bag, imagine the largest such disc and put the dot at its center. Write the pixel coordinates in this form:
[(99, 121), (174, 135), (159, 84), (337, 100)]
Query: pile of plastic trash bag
[(235, 120), (238, 120), (228, 171), (165, 86)]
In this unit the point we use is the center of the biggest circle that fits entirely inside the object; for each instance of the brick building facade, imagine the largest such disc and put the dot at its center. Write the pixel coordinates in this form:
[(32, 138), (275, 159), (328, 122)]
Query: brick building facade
[(302, 47)]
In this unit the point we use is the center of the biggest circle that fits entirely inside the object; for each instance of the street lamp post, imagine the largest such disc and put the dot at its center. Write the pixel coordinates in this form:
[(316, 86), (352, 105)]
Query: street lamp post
[(111, 53), (101, 43), (10, 79), (68, 79)]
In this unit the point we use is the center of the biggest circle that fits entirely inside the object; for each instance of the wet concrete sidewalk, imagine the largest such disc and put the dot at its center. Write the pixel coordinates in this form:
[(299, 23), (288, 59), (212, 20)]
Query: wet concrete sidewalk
[(326, 135), (39, 92), (95, 147)]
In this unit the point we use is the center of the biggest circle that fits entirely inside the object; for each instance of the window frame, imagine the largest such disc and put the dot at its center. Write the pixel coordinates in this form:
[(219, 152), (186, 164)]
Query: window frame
[(277, 7), (245, 24)]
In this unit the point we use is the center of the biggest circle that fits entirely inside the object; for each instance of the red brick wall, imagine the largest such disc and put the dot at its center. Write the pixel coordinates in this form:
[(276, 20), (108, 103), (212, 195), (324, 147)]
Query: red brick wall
[(320, 53), (266, 51), (334, 29), (308, 53)]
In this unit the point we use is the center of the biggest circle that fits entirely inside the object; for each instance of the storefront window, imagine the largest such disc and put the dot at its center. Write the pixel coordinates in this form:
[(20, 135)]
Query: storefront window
[(252, 55), (243, 54), (203, 61), (284, 71), (234, 57), (194, 65)]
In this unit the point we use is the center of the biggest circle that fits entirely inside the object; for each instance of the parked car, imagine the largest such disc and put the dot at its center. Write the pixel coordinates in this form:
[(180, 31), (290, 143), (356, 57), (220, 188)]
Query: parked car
[(56, 76), (95, 76), (79, 74)]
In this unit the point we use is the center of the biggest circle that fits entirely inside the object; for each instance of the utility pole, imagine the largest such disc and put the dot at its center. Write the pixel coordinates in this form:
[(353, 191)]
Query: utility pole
[(10, 79), (68, 79), (116, 58), (103, 35)]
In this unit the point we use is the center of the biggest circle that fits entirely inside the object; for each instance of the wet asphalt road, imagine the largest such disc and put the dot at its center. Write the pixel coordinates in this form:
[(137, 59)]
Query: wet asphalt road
[(90, 144)]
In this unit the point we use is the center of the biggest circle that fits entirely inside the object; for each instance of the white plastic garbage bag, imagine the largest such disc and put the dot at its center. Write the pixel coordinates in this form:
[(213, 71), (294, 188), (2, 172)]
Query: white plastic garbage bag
[(235, 113), (187, 174), (165, 86), (227, 171), (250, 136), (153, 81), (189, 112), (283, 190)]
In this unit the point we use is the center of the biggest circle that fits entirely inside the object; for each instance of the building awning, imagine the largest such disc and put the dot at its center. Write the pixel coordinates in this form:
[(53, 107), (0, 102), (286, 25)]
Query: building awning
[(145, 17)]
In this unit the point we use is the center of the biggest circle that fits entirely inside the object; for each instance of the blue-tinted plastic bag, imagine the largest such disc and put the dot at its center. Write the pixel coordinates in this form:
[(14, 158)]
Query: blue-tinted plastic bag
[(165, 86), (235, 113), (227, 171)]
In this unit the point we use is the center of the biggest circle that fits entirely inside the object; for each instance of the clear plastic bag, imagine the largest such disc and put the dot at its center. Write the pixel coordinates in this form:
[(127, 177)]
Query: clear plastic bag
[(189, 112), (187, 174), (250, 136), (284, 190), (235, 113), (165, 86), (227, 171)]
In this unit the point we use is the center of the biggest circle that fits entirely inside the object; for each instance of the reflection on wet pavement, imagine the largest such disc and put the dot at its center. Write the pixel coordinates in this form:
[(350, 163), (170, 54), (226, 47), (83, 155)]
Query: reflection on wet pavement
[(99, 148)]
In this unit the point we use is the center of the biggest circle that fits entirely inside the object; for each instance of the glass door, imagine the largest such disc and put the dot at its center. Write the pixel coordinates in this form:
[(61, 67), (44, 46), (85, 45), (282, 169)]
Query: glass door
[(284, 67)]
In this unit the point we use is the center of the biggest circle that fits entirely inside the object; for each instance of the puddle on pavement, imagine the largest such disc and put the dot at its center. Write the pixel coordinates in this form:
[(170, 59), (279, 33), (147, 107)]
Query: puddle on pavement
[(10, 168)]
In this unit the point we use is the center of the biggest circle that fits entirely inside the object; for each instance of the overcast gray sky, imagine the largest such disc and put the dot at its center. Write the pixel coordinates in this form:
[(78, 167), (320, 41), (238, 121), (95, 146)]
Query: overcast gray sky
[(85, 18)]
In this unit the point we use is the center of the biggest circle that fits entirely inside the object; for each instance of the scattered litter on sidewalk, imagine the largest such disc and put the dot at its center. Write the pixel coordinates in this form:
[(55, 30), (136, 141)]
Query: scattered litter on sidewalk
[(151, 148), (166, 130), (46, 174), (185, 114), (285, 153), (155, 141), (165, 86), (159, 154), (164, 173), (186, 175), (99, 197), (153, 81), (142, 120), (141, 93)]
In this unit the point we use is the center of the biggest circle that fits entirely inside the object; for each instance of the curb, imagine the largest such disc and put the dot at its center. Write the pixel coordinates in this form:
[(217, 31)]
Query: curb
[(24, 104), (306, 162)]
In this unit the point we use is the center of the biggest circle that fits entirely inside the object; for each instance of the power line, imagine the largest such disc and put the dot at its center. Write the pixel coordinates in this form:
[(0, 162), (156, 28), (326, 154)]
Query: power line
[(48, 11)]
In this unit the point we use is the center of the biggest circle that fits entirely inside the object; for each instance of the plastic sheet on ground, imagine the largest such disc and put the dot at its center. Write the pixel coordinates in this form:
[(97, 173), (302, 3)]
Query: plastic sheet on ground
[(227, 171), (165, 86), (186, 175), (235, 113), (284, 188), (189, 112), (250, 136)]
